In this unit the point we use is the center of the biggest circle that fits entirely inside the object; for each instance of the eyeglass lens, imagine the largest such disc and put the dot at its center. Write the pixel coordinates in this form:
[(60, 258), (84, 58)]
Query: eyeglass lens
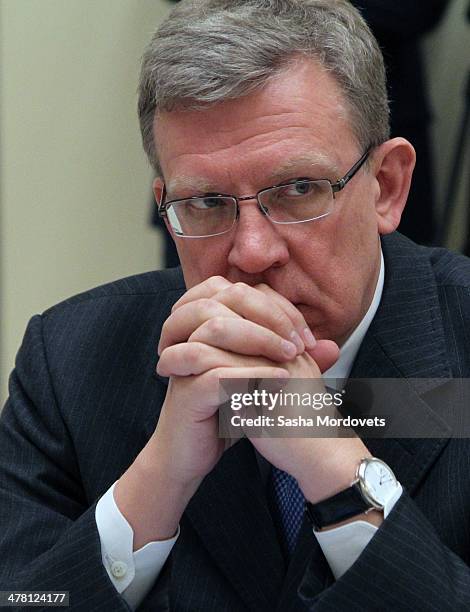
[(212, 215)]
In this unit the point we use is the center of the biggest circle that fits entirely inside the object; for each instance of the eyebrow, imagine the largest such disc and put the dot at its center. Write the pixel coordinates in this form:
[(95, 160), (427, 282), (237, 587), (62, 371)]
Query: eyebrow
[(321, 165)]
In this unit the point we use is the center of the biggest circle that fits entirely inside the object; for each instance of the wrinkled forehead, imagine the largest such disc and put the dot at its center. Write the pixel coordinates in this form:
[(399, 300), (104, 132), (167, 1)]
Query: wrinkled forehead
[(318, 165), (302, 110)]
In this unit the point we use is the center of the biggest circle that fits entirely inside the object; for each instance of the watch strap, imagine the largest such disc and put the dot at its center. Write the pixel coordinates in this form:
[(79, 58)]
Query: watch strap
[(338, 508)]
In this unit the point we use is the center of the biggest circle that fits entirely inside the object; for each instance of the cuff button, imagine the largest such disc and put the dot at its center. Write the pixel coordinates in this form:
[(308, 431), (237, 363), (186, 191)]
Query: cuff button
[(118, 569)]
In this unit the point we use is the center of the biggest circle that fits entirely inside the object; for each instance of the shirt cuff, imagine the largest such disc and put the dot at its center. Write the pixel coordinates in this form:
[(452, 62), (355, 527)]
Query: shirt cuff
[(132, 573), (342, 546)]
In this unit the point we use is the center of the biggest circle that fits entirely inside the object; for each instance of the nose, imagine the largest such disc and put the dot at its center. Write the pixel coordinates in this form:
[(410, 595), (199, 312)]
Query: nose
[(257, 242)]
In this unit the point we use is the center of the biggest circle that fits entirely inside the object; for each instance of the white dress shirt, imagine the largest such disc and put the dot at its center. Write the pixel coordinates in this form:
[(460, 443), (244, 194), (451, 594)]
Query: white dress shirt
[(133, 573)]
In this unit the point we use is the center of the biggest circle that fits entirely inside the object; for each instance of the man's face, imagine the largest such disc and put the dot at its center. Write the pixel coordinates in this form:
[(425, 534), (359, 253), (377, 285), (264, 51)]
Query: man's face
[(297, 126)]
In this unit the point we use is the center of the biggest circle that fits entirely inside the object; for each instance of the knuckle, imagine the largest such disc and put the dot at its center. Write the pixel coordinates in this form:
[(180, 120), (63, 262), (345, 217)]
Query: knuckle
[(241, 286), (238, 291), (217, 283), (174, 360), (206, 306), (193, 351), (216, 327)]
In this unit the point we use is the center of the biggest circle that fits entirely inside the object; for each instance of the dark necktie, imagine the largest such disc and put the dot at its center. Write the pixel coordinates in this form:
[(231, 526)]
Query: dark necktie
[(289, 501)]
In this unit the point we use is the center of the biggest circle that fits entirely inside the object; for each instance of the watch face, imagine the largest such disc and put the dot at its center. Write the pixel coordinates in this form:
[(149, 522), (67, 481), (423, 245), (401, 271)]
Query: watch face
[(378, 481)]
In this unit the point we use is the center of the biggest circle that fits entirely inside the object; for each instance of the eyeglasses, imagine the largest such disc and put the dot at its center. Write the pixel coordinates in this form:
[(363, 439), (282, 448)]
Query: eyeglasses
[(214, 214)]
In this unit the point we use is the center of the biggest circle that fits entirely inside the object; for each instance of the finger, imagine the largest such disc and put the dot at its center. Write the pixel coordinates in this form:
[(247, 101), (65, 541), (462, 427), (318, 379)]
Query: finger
[(279, 314), (325, 354), (244, 337), (212, 379), (262, 309), (292, 312), (188, 317), (196, 358), (262, 373), (206, 289), (205, 393)]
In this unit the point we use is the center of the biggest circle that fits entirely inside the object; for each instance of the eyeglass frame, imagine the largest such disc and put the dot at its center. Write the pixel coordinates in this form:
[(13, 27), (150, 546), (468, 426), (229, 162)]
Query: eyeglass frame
[(337, 186)]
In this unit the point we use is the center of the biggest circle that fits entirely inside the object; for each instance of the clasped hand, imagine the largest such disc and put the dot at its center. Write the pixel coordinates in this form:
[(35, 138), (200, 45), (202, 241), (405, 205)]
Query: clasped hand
[(217, 330)]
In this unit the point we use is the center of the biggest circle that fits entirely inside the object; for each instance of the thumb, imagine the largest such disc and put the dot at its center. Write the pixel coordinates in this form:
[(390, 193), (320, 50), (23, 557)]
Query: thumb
[(325, 353)]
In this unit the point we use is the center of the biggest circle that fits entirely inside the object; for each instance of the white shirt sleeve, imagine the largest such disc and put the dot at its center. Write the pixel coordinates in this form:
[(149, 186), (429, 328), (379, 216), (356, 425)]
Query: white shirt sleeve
[(132, 573), (342, 546)]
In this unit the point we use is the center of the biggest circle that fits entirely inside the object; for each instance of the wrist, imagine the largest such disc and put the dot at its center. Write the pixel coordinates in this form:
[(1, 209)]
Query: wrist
[(151, 501), (337, 474), (370, 497)]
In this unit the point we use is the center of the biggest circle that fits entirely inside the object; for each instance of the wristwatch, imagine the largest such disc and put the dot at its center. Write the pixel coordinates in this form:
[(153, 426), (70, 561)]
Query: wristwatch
[(374, 488)]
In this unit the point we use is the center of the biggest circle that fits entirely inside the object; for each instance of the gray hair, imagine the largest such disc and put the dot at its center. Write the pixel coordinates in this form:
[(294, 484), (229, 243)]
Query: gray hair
[(208, 51)]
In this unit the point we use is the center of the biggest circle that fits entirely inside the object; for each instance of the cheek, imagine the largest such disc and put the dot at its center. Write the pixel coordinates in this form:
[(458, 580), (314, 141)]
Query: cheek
[(356, 230), (202, 258), (322, 249), (357, 258), (356, 248), (340, 256)]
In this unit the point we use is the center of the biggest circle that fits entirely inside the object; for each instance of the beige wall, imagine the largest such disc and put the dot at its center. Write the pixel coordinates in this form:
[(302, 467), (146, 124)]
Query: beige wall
[(448, 62), (75, 184)]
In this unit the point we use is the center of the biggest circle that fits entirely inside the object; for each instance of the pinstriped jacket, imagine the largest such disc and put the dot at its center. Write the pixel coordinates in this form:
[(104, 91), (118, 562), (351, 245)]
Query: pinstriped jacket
[(84, 399)]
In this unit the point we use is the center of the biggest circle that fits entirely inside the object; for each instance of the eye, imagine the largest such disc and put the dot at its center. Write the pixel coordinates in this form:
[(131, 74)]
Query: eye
[(302, 187), (206, 203)]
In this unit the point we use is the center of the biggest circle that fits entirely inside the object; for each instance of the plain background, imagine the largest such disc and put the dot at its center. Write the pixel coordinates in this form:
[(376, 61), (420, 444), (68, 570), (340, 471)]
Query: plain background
[(74, 181)]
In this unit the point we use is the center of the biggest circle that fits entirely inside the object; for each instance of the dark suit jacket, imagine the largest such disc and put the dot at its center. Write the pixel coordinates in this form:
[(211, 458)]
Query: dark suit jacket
[(85, 399)]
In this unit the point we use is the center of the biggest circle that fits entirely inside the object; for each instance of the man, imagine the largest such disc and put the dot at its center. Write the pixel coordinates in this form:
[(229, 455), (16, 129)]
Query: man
[(267, 125), (399, 26)]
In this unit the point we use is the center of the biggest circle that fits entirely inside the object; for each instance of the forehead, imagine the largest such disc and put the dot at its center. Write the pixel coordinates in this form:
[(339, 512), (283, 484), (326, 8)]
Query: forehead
[(298, 118)]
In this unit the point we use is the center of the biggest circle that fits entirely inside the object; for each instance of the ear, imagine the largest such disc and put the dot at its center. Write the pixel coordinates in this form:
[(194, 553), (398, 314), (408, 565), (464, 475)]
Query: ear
[(157, 188), (393, 164)]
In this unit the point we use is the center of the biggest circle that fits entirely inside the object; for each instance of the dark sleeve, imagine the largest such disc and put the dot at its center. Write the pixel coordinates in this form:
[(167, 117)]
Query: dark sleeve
[(48, 535), (404, 567), (401, 19)]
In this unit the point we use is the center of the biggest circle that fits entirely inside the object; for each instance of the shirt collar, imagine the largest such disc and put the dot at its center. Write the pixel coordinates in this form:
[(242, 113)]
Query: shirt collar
[(342, 368)]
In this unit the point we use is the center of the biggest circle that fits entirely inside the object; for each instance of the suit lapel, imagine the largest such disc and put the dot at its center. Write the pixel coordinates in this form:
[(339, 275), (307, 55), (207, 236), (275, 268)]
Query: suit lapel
[(406, 340), (307, 552)]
